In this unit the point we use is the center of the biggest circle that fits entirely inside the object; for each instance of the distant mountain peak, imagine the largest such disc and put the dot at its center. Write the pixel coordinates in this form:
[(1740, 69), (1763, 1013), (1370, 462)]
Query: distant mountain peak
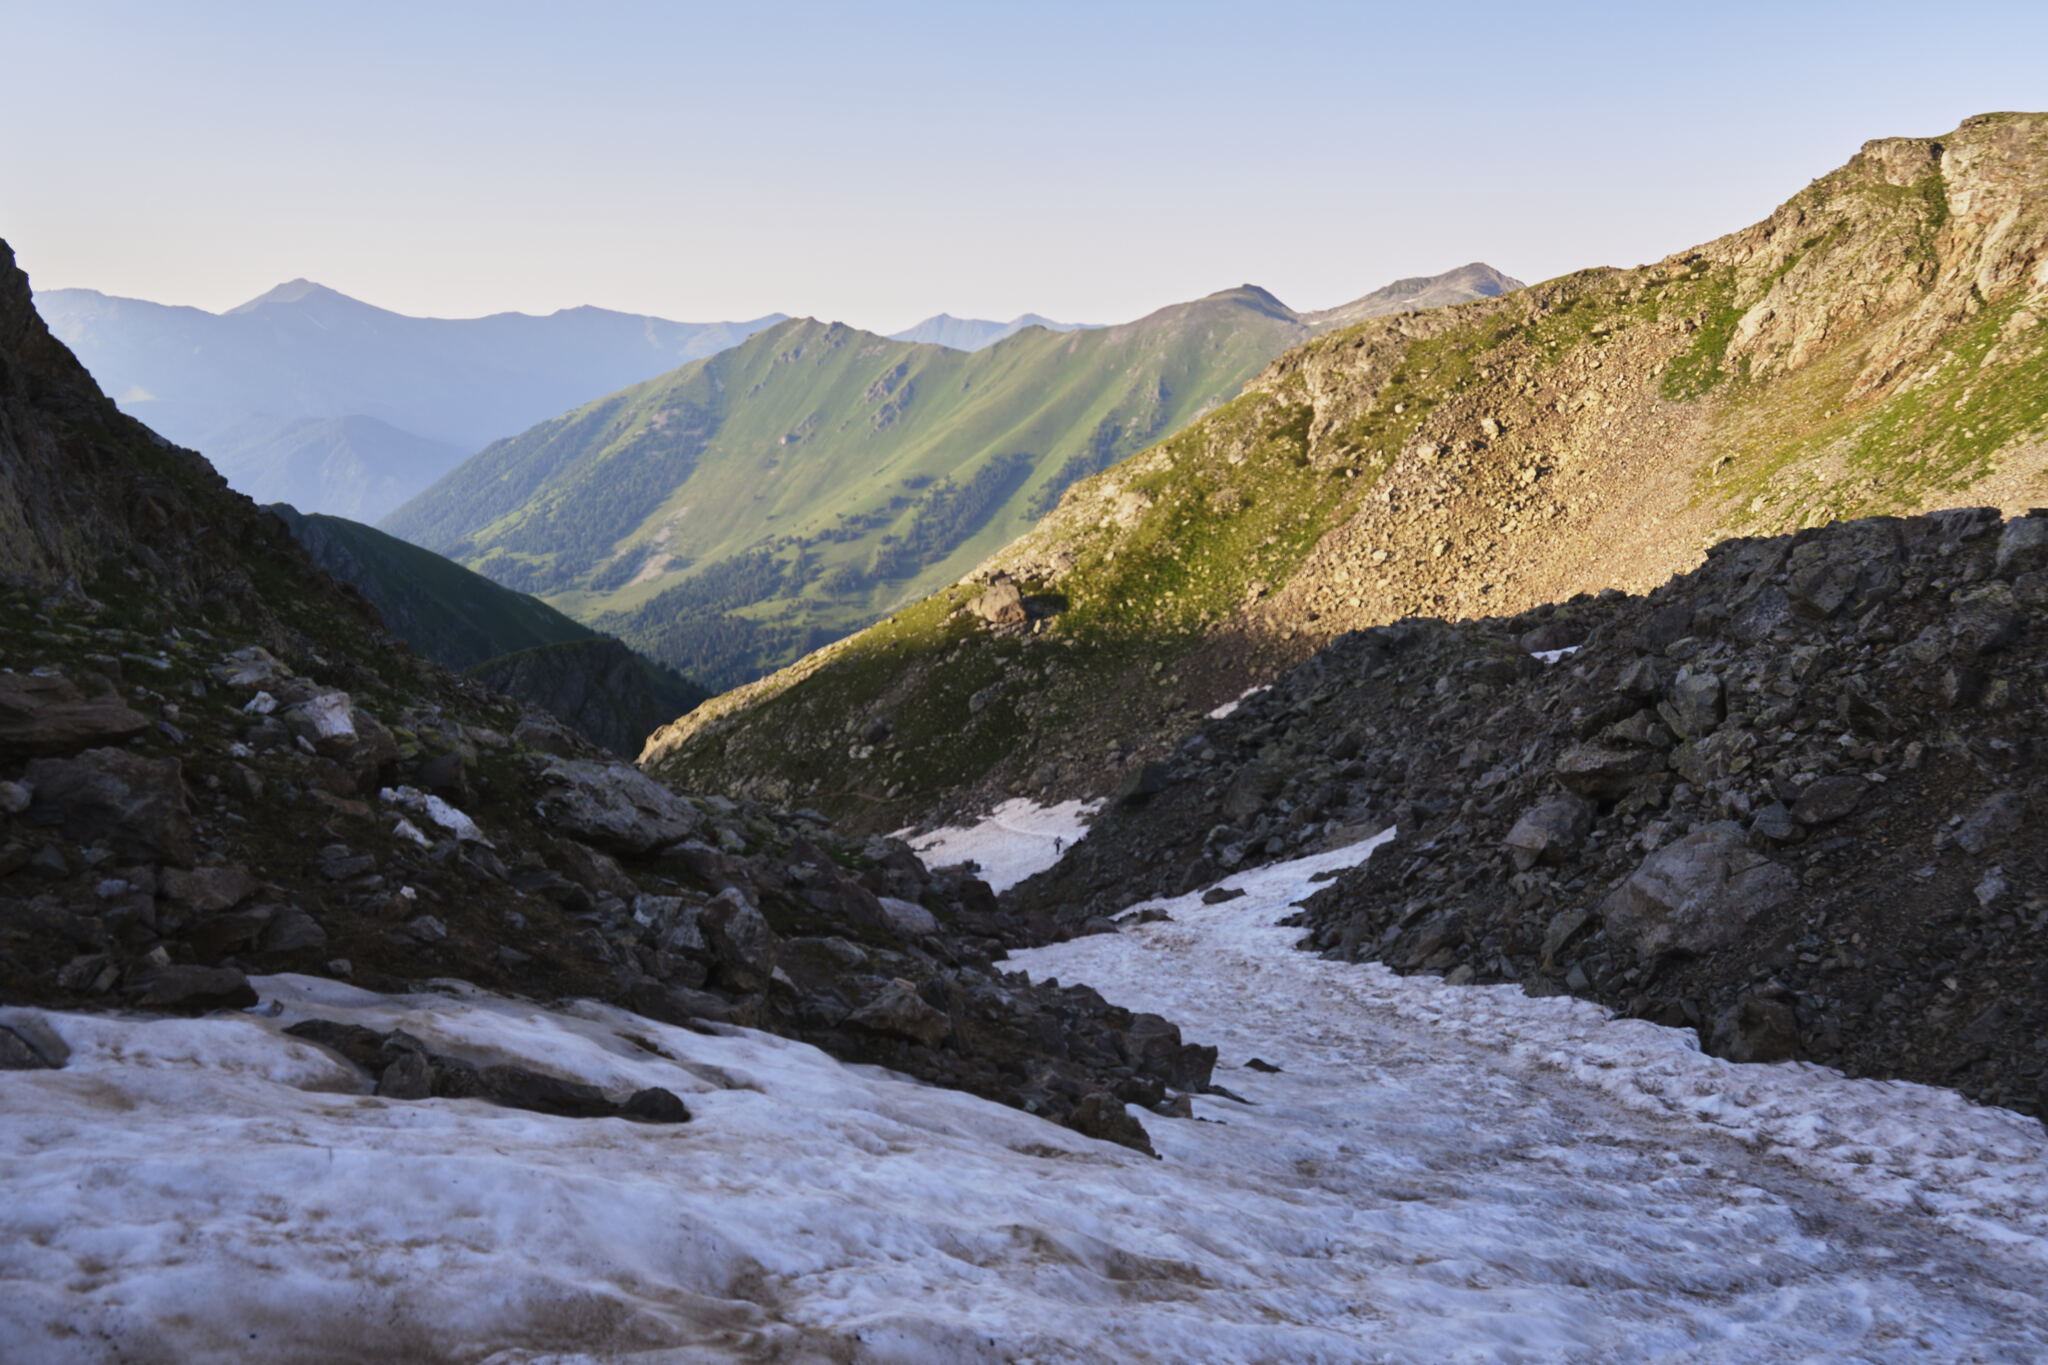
[(295, 291), (971, 334)]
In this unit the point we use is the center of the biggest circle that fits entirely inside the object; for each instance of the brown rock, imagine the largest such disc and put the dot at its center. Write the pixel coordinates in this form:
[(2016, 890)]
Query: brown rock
[(48, 715), (207, 889)]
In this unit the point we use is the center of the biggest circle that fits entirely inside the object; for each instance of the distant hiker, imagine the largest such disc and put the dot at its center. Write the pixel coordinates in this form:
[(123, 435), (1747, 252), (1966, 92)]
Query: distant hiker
[(1059, 844)]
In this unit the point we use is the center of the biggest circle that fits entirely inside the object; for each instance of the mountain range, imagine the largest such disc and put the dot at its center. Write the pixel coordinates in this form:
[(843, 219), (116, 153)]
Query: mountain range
[(1878, 345), (730, 515), (971, 334), (307, 396)]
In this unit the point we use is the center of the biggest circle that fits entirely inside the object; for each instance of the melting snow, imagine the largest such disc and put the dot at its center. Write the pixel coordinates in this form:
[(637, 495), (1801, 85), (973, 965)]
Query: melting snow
[(1436, 1174), (1018, 839), (1551, 656), (1230, 707)]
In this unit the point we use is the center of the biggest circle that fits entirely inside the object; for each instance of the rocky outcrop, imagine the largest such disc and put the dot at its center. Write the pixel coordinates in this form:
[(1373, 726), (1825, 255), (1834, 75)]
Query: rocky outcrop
[(1786, 799)]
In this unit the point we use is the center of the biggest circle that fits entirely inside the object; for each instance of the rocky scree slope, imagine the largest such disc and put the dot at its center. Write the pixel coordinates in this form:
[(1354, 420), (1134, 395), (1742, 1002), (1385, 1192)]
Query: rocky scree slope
[(213, 761), (1878, 345), (1791, 799), (734, 514)]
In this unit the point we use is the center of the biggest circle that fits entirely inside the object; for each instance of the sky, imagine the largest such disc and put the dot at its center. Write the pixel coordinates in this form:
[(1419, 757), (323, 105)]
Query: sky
[(878, 163)]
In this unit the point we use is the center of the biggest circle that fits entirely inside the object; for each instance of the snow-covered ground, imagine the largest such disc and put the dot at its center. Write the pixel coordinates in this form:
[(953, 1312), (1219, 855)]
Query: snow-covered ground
[(1437, 1174), (1229, 708), (1018, 839)]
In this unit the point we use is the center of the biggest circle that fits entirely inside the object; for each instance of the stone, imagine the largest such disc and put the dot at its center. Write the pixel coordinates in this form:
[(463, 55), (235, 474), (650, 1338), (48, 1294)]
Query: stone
[(1564, 927), (1696, 894), (1996, 818), (249, 669), (1219, 895), (293, 931), (1549, 832), (1828, 799), (1594, 770), (206, 890), (1694, 706), (740, 939), (908, 918), (28, 1043), (2023, 546), (616, 807), (408, 1076), (1001, 603), (46, 714), (1986, 620), (183, 989), (1102, 1115), (1759, 1027), (655, 1105), (14, 798), (326, 721), (899, 1012), (517, 1087), (136, 805), (544, 734), (1774, 823)]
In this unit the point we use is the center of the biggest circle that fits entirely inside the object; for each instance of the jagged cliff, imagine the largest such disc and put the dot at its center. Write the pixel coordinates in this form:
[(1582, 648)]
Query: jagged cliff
[(1876, 345)]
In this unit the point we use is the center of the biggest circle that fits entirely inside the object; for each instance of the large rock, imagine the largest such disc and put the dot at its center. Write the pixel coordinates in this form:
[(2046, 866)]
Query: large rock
[(739, 937), (195, 990), (1697, 894), (616, 807), (49, 715), (1694, 707), (908, 918), (1002, 603), (1550, 831), (1597, 771), (137, 805), (1829, 799), (2023, 546), (899, 1012)]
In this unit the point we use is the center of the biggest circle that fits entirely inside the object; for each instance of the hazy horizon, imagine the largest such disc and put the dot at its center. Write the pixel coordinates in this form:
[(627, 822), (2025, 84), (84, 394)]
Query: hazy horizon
[(882, 167)]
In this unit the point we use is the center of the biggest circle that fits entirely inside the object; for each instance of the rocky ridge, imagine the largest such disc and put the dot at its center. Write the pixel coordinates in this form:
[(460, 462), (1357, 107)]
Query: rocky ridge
[(1790, 799), (1876, 346)]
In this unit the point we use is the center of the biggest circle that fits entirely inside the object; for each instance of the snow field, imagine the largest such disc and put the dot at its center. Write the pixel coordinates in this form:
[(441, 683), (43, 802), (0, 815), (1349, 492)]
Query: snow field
[(1438, 1174), (1019, 839)]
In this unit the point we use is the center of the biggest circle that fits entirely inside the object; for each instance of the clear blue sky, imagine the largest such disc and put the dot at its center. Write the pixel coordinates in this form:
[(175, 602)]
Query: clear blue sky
[(879, 162)]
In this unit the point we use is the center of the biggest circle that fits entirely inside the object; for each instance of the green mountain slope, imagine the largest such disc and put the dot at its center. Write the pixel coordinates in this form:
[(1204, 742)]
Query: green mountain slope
[(745, 508), (1878, 345), (516, 643)]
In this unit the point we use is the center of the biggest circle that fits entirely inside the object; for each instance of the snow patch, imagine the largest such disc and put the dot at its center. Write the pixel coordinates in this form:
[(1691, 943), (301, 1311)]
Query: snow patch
[(1019, 839), (1229, 708), (1551, 656)]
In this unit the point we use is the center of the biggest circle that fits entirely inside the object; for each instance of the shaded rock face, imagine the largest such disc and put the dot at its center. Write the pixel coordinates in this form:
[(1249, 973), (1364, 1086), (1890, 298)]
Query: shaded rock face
[(1786, 799), (616, 807), (50, 715), (135, 805), (598, 687)]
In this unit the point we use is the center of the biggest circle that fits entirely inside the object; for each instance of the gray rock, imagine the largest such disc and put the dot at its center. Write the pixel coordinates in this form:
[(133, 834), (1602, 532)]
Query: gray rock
[(1696, 894), (1986, 620), (28, 1043), (908, 918), (209, 889), (293, 931), (1550, 831), (655, 1105), (1564, 926), (616, 807), (1775, 823), (408, 1076), (1694, 706), (1829, 799), (195, 990), (2023, 546), (1999, 816), (14, 798), (1597, 771), (136, 804), (738, 936), (900, 1012)]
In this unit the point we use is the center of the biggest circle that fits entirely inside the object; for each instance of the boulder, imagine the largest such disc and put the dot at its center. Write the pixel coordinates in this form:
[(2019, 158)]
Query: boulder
[(616, 807), (45, 715), (900, 1012), (1999, 816), (209, 889), (1550, 831), (246, 670), (1694, 706), (28, 1043), (738, 936), (1828, 799), (194, 990), (1001, 603), (136, 804), (908, 918), (1759, 1027), (1597, 771), (1696, 894)]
